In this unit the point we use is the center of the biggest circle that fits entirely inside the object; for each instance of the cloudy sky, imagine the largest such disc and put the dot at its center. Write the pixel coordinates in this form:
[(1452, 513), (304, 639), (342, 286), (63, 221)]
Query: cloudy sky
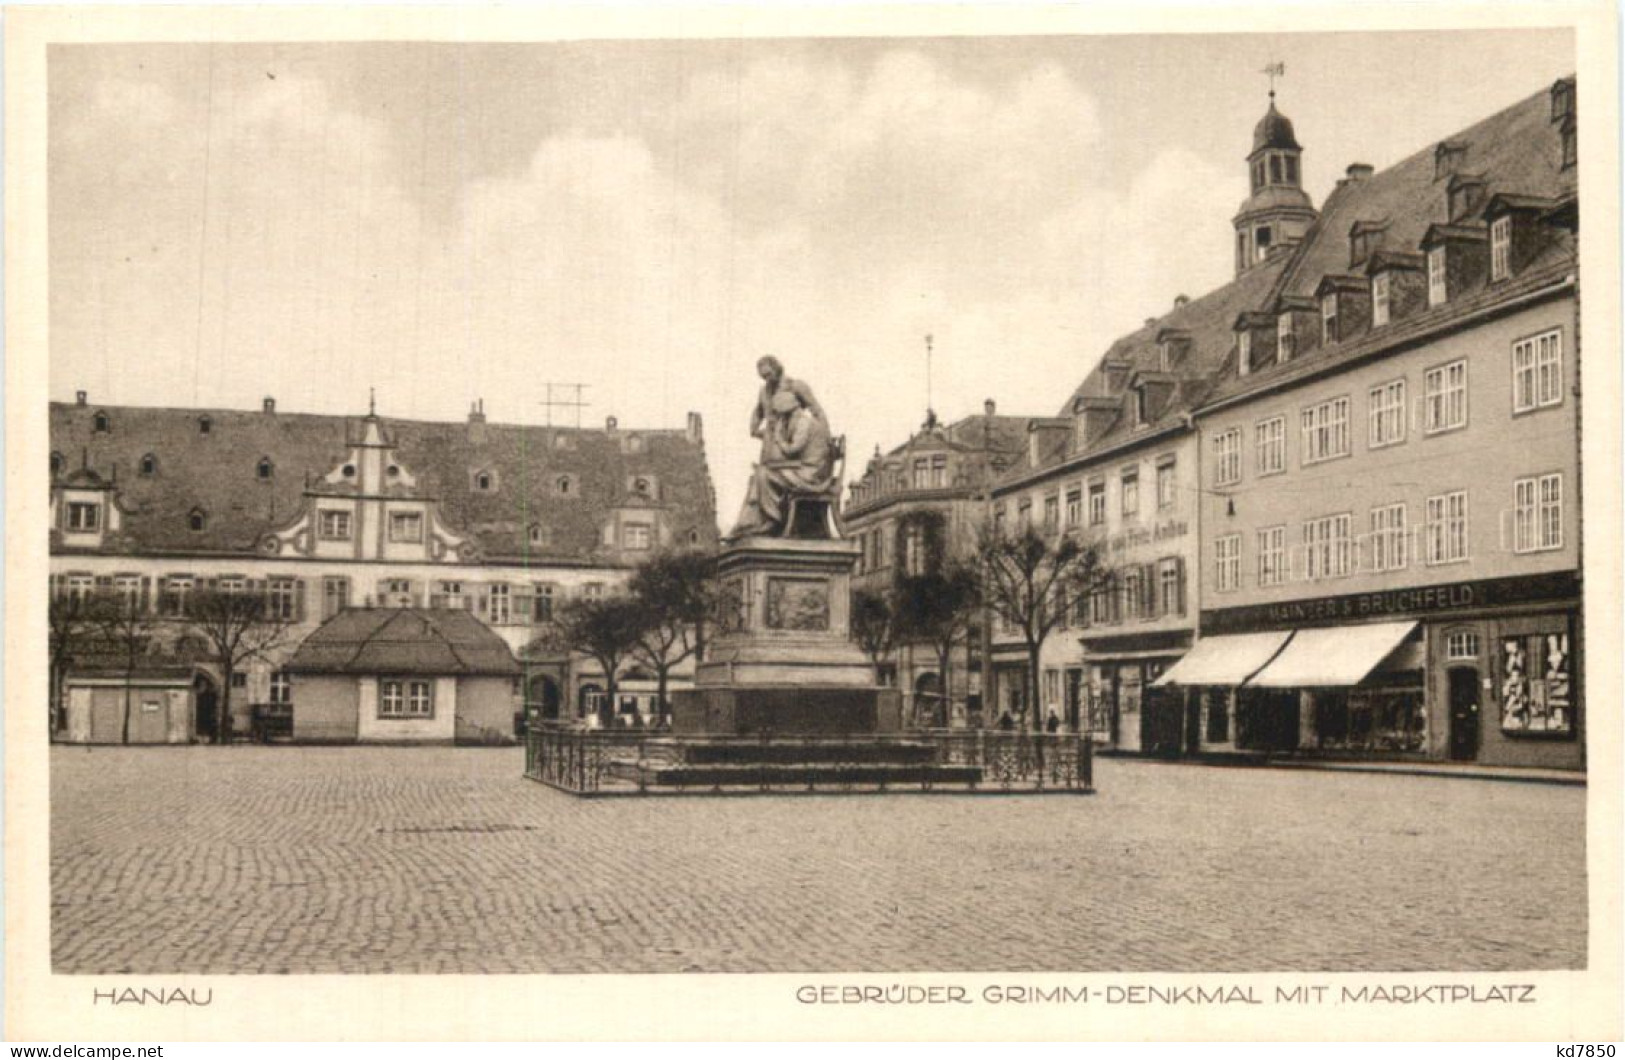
[(452, 222)]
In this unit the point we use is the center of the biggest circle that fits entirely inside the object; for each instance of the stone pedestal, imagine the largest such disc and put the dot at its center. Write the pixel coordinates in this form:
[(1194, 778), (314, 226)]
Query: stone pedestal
[(781, 657)]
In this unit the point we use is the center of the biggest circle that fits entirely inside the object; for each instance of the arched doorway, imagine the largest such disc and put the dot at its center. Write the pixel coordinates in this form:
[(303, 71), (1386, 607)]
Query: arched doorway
[(930, 710), (542, 697), (206, 696)]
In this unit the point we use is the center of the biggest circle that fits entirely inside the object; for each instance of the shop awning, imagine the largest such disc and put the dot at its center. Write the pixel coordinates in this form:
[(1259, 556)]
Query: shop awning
[(1225, 660), (1338, 657)]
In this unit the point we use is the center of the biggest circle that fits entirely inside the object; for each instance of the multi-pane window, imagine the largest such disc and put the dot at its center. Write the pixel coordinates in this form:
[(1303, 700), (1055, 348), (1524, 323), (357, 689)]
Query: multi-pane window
[(1052, 513), (1170, 587), (84, 517), (177, 592), (1445, 396), (1537, 518), (1328, 320), (1272, 555), (1325, 430), (500, 597), (279, 598), (1447, 528), (1537, 372), (1379, 299), (1097, 503), (1462, 644), (914, 549), (1100, 606), (637, 536), (1131, 492), (1283, 336), (939, 471), (233, 584), (1326, 546), (1133, 587), (127, 587), (335, 596), (406, 527), (543, 609), (1074, 506), (1024, 512), (1388, 526), (399, 698), (281, 689), (1227, 562), (922, 472), (1387, 413), (1227, 457), (1165, 484), (1269, 450), (333, 525), (80, 586), (1436, 277), (1244, 352), (1501, 248)]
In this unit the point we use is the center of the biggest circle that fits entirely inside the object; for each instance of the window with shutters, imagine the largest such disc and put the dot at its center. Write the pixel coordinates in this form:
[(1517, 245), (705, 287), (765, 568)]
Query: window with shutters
[(1269, 449), (1386, 413), (279, 599), (1445, 397), (1227, 562), (1387, 541), (1537, 372), (335, 596), (500, 608), (1272, 555), (1446, 531)]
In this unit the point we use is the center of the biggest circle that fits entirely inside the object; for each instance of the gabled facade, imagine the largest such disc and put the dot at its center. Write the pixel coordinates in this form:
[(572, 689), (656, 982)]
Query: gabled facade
[(914, 505), (324, 513), (1390, 491)]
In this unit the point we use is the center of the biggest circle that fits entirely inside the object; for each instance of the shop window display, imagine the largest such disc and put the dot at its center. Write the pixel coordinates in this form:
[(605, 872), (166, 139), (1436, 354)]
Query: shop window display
[(1387, 718), (1536, 693)]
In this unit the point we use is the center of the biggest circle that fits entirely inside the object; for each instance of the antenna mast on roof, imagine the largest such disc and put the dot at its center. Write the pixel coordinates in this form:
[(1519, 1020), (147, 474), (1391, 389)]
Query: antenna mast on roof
[(578, 404)]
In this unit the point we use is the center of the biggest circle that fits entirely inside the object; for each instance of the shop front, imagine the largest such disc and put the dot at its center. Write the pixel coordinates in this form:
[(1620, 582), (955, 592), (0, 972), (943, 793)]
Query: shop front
[(1485, 672), (1125, 706)]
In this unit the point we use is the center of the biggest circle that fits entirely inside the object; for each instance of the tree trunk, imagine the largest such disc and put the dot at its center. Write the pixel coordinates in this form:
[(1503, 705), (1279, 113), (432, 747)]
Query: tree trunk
[(661, 706), (945, 658), (129, 675), (1033, 705), (222, 717)]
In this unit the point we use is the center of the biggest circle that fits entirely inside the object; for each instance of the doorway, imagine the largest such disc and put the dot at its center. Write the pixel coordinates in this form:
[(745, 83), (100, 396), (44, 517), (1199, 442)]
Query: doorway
[(207, 695), (542, 697), (1464, 714)]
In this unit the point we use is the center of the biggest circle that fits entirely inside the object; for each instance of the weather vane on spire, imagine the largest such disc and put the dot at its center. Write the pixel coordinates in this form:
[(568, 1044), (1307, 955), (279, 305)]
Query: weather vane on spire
[(1274, 70)]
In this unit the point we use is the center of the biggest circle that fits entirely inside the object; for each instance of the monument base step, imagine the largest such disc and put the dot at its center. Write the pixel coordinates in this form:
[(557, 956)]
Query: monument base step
[(794, 775)]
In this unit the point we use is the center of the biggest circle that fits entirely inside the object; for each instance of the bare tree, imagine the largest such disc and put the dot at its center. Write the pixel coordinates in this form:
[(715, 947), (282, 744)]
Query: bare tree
[(72, 628), (1028, 579), (122, 629), (874, 624), (682, 587), (605, 630), (939, 608), (240, 626)]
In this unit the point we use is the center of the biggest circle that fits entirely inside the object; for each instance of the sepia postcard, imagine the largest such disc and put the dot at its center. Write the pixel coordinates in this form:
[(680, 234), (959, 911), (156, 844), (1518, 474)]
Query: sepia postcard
[(925, 522)]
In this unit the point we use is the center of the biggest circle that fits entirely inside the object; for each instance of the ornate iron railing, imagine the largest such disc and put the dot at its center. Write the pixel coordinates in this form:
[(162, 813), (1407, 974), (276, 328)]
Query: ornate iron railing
[(604, 762)]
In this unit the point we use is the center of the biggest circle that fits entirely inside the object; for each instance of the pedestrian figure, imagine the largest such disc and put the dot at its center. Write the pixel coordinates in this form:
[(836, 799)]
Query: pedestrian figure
[(1054, 722), (1006, 722)]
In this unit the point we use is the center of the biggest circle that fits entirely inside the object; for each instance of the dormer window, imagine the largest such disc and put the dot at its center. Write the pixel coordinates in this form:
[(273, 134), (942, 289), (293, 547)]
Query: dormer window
[(1284, 339), (1562, 99), (484, 482), (204, 425), (1466, 193), (564, 485), (1139, 407), (148, 466), (537, 534), (1501, 248), (1328, 320), (1244, 352), (265, 469), (84, 517), (1437, 290), (1571, 153), (1447, 158), (1379, 299), (197, 520), (101, 424), (1365, 238), (643, 486)]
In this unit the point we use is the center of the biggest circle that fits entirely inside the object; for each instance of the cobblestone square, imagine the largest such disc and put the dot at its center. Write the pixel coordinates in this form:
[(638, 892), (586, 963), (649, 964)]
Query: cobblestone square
[(426, 860)]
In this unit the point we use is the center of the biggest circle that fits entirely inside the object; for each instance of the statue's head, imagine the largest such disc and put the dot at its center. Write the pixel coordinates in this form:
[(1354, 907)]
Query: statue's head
[(770, 369), (784, 403)]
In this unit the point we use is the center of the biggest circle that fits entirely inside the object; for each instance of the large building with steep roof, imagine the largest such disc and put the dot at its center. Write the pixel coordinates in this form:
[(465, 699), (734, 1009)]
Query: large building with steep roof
[(1390, 482), (323, 513)]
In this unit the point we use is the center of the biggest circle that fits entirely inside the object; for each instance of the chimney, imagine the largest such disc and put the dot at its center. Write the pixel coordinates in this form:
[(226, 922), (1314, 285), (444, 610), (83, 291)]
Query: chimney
[(270, 405), (80, 397), (1181, 301), (1359, 171), (476, 422), (695, 432), (989, 407), (610, 423)]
